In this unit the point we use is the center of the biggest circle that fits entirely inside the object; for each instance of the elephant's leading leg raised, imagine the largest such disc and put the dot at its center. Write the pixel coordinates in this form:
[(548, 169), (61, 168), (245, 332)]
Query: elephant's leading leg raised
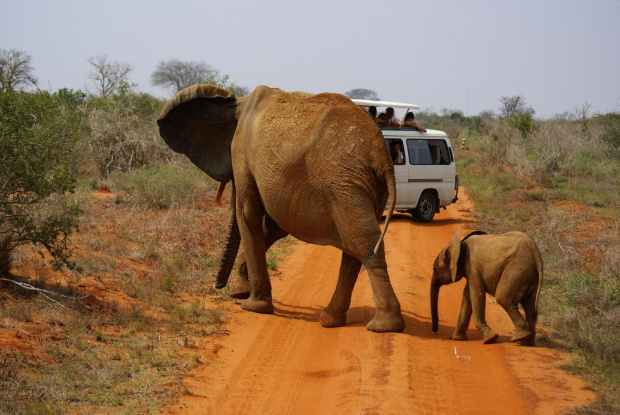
[(477, 294), (460, 332), (335, 315), (388, 317)]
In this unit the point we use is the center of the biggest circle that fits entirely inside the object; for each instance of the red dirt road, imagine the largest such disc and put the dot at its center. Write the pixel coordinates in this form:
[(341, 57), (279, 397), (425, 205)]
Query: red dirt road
[(286, 363)]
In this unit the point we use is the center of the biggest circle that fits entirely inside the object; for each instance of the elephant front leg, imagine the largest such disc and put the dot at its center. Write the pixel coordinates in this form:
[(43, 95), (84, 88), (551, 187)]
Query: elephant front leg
[(250, 218), (335, 315), (460, 333), (478, 303), (388, 317), (273, 233)]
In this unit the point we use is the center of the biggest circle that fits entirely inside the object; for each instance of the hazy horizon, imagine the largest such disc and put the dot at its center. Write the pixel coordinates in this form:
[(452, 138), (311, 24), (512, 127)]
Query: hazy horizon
[(458, 56)]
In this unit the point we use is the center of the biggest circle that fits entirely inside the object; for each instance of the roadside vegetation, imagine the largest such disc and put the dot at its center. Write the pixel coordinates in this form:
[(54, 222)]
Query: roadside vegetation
[(558, 180), (108, 248), (109, 240)]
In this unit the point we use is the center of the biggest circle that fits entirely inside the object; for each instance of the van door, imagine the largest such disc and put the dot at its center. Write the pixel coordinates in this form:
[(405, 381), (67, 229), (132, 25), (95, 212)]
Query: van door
[(430, 167), (401, 171)]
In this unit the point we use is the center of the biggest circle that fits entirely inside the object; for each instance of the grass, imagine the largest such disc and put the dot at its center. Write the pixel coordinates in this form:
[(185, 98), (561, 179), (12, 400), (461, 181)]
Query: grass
[(525, 190), (151, 267)]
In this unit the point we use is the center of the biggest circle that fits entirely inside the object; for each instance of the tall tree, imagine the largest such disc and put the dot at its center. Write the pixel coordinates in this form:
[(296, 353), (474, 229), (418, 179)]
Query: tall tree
[(15, 69), (177, 75), (514, 105), (361, 93), (108, 76)]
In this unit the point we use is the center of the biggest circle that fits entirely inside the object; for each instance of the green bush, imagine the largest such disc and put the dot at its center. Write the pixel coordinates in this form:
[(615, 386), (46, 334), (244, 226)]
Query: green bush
[(38, 134)]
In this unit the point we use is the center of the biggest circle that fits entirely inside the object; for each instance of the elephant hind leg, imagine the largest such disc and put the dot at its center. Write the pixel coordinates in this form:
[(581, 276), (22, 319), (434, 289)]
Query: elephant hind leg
[(529, 306), (388, 317), (522, 328), (335, 315)]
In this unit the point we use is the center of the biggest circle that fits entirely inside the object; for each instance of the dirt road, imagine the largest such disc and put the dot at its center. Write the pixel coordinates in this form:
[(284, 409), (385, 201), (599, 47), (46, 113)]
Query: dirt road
[(287, 363)]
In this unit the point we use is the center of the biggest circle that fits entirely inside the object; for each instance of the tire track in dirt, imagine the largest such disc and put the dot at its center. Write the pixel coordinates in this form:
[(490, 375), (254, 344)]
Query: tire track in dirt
[(287, 363)]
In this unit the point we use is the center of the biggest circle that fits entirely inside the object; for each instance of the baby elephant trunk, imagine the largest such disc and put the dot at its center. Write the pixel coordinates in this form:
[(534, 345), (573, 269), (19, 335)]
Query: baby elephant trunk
[(434, 298)]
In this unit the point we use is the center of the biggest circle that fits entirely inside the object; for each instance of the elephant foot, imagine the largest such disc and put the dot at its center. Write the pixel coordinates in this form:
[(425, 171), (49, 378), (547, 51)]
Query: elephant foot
[(527, 342), (327, 320), (258, 306), (490, 337), (386, 323), (458, 336), (240, 289), (521, 335)]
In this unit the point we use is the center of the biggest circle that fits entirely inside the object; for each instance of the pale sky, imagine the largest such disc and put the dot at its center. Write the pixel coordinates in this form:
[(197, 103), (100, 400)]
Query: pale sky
[(463, 55)]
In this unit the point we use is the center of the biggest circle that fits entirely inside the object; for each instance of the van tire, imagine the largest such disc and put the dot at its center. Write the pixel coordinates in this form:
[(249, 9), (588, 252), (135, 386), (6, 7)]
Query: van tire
[(426, 208)]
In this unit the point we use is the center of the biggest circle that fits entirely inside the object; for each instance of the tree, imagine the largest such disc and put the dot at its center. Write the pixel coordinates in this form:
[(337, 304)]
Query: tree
[(108, 77), (177, 75), (38, 134), (361, 93), (15, 69), (514, 105)]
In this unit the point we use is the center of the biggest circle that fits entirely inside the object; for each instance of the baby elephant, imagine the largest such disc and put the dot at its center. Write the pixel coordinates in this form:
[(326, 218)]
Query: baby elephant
[(507, 266)]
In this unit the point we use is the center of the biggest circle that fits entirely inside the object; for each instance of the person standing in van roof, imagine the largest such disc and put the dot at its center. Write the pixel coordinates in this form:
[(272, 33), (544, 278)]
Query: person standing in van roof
[(392, 121), (410, 122)]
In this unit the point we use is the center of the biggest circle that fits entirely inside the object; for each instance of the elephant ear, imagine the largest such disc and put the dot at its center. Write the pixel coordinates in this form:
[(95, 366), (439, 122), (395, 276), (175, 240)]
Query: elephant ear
[(200, 122), (454, 251)]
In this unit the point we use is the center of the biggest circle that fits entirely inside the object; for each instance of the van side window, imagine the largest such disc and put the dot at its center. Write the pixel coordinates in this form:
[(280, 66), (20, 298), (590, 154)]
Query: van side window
[(397, 151), (428, 152)]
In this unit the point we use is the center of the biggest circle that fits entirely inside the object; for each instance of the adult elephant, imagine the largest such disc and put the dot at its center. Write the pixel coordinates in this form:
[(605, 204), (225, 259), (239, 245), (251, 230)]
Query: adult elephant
[(312, 166)]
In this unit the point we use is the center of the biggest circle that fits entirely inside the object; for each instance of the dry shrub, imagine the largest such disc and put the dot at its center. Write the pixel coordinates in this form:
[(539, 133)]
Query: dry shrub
[(124, 134), (496, 146), (164, 186), (5, 255)]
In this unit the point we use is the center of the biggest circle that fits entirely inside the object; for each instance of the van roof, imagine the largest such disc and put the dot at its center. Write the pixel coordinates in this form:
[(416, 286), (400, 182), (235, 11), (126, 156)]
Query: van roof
[(390, 132), (371, 103)]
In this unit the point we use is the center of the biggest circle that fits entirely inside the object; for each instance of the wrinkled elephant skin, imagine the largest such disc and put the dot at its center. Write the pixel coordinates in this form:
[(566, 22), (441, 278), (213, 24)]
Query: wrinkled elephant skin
[(312, 166)]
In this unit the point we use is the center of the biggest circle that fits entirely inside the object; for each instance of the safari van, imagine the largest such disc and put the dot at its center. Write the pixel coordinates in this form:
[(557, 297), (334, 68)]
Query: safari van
[(426, 178)]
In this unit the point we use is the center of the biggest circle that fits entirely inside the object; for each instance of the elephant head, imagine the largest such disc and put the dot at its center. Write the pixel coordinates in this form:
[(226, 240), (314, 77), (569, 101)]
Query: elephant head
[(446, 271), (200, 122)]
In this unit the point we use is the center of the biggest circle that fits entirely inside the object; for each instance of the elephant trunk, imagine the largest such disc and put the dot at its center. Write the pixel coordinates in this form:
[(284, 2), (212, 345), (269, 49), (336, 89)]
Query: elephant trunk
[(434, 299), (231, 248)]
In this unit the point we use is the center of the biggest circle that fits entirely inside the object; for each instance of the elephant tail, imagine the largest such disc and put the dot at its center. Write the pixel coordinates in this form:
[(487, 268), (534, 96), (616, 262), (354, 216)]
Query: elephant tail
[(220, 191), (539, 266), (391, 185)]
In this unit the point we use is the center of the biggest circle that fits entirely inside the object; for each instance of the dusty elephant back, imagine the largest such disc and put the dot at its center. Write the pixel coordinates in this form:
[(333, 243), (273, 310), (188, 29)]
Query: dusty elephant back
[(517, 248), (326, 147), (327, 127)]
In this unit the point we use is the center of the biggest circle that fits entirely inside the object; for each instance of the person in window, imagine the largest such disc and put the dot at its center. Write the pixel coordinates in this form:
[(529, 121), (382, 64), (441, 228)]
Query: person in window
[(398, 157), (372, 111), (410, 122), (391, 119), (382, 120)]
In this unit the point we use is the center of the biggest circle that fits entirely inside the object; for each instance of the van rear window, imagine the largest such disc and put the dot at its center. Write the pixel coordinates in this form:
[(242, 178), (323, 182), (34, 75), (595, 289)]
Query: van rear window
[(427, 152)]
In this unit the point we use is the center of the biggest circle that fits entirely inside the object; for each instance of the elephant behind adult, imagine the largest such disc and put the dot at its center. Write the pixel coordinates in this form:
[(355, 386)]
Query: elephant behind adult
[(507, 266), (315, 167)]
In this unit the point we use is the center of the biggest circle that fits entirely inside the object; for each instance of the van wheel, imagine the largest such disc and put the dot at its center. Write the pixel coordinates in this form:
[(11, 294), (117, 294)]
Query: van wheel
[(427, 206)]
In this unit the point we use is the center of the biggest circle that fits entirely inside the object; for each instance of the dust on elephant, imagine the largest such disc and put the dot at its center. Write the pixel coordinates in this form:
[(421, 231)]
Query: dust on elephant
[(312, 166), (507, 266)]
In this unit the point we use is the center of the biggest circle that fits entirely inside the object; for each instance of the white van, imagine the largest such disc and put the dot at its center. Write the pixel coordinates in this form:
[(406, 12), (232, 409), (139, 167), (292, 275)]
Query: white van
[(426, 178)]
